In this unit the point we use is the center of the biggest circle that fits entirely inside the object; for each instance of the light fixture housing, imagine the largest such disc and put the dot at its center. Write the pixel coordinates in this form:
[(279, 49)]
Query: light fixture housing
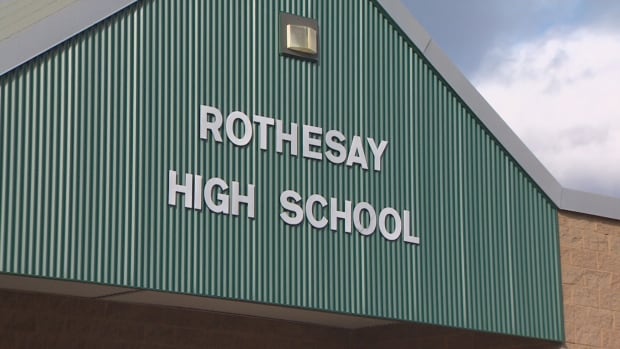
[(299, 37)]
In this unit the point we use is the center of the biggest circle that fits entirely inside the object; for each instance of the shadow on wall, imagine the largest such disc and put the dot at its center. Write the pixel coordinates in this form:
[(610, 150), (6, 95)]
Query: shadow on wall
[(32, 320)]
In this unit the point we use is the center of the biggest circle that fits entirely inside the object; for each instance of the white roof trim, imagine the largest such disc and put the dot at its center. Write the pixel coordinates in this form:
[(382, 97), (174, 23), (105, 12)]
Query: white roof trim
[(583, 202), (54, 29), (76, 17)]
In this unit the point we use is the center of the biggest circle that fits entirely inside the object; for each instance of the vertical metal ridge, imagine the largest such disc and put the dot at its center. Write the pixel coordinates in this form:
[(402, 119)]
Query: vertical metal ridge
[(90, 129)]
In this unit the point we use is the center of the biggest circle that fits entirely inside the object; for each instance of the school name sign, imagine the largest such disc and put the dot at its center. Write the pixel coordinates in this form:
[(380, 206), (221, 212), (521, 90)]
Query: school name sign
[(311, 142)]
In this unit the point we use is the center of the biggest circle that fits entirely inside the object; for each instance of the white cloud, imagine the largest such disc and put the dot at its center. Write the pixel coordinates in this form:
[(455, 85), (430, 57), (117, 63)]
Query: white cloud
[(561, 95)]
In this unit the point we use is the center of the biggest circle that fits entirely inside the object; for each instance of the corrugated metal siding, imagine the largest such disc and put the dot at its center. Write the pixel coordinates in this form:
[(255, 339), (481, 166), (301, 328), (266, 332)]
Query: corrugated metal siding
[(91, 128)]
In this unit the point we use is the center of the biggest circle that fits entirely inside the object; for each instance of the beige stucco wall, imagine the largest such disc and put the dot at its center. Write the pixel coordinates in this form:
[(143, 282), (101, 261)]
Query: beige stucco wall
[(590, 249)]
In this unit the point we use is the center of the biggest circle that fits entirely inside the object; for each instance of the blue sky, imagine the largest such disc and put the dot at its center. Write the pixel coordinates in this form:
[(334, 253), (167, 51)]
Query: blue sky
[(551, 68)]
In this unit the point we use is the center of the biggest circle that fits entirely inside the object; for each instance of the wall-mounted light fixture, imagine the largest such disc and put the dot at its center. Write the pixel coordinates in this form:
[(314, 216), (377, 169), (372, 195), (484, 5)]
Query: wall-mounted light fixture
[(299, 37)]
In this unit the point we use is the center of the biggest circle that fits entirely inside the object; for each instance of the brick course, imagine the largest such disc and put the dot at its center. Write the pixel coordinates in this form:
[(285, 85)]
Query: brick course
[(590, 255)]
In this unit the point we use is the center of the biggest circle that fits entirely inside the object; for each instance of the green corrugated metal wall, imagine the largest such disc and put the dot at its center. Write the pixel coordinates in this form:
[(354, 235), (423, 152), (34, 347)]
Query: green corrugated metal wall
[(91, 128)]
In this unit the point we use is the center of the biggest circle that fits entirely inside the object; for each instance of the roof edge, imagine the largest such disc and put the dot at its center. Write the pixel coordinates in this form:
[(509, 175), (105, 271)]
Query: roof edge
[(55, 29), (563, 198), (589, 203)]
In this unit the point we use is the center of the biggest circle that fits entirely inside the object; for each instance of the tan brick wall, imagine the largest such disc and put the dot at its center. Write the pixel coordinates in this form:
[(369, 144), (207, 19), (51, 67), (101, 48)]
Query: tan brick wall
[(590, 252)]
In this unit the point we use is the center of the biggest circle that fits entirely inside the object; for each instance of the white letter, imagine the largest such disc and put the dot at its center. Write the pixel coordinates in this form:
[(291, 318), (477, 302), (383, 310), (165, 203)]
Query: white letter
[(298, 216), (335, 215), (408, 236), (198, 193), (357, 218), (214, 126), (230, 128), (174, 188), (282, 137), (388, 211), (321, 223), (263, 122), (377, 152), (337, 153), (308, 141), (357, 154), (222, 207), (236, 199)]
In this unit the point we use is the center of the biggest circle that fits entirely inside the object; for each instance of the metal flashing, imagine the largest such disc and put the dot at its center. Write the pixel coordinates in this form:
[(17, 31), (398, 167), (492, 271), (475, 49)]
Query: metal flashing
[(53, 29), (589, 203)]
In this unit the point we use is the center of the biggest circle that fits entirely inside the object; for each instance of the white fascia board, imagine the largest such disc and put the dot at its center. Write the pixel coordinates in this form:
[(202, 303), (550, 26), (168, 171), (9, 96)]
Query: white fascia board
[(54, 29)]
